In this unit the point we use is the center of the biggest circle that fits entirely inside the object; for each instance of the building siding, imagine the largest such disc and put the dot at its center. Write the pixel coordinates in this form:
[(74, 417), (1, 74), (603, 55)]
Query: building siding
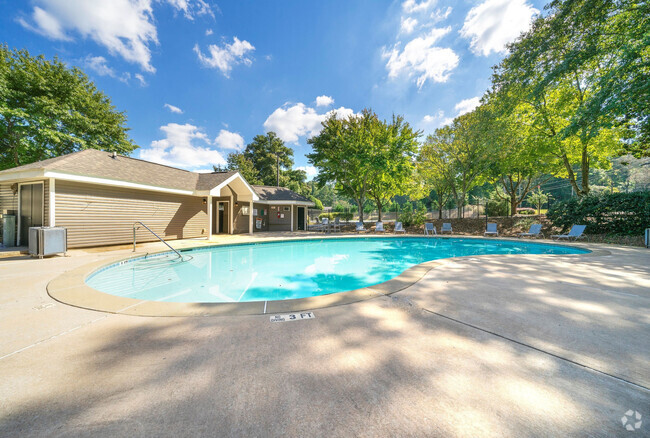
[(9, 203), (102, 215)]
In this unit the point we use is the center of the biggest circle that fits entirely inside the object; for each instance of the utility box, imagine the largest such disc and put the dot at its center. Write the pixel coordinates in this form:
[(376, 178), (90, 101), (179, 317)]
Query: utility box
[(44, 241), (8, 230), (647, 237)]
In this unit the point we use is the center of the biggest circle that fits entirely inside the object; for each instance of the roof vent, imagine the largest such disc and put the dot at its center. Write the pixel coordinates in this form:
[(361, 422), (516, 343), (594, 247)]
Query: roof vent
[(114, 155)]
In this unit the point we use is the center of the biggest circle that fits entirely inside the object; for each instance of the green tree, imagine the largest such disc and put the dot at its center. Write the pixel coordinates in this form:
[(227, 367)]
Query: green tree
[(237, 161), (569, 74), (48, 109), (430, 181), (392, 165), (364, 157), (342, 152), (538, 197), (269, 156), (460, 155), (608, 40), (517, 159)]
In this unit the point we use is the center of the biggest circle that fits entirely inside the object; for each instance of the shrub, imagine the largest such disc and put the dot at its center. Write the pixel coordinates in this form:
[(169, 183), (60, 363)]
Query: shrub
[(611, 213), (344, 216), (526, 211), (411, 217), (525, 223), (329, 216), (498, 207)]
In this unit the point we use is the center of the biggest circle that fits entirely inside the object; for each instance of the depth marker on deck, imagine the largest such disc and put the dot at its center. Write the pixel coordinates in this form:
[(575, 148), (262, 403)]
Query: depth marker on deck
[(293, 317)]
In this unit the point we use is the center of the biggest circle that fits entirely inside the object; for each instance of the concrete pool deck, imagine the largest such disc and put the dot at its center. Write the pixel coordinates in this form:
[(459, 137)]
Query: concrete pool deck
[(485, 346)]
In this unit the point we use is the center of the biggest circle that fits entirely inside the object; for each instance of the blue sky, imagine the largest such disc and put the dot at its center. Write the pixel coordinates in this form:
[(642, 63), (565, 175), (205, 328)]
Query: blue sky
[(199, 79)]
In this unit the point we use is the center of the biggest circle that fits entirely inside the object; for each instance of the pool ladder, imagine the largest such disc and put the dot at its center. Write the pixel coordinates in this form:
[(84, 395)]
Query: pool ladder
[(135, 227)]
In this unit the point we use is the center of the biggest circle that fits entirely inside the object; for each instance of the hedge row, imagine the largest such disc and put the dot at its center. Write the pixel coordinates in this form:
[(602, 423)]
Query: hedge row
[(612, 213)]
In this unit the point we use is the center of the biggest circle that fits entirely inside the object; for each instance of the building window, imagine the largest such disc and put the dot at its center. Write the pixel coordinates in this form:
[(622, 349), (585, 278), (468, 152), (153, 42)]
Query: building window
[(245, 210)]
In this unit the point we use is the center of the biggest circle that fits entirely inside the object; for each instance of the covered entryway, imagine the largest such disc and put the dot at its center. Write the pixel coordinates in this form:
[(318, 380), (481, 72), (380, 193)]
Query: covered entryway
[(30, 205), (231, 206)]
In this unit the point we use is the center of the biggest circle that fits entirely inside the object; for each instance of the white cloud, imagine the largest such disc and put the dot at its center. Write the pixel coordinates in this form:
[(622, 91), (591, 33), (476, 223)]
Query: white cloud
[(293, 122), (99, 65), (494, 23), (324, 100), (45, 24), (439, 14), (229, 140), (178, 148), (412, 6), (407, 25), (309, 170), (224, 58), (192, 9), (173, 108), (140, 78), (467, 105), (422, 59), (437, 120), (208, 32), (126, 28)]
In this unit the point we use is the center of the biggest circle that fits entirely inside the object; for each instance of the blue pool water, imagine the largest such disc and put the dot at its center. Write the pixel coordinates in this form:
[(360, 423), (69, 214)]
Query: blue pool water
[(289, 269)]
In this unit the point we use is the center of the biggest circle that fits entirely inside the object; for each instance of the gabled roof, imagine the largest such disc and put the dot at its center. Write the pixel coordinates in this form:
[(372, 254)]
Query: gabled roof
[(208, 181), (100, 164), (272, 193)]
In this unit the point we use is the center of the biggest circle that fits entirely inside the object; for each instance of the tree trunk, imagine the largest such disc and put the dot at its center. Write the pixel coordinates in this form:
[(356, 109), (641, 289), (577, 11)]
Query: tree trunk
[(513, 204), (585, 170), (440, 201), (570, 175), (360, 204), (379, 209)]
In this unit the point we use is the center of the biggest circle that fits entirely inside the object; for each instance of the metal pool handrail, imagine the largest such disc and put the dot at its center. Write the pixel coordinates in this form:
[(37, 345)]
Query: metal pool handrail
[(159, 238)]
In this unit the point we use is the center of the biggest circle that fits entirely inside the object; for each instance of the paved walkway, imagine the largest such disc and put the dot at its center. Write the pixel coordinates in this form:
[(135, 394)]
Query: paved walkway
[(510, 346)]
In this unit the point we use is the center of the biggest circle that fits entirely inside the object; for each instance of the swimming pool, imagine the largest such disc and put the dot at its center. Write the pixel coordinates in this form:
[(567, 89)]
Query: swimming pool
[(289, 269)]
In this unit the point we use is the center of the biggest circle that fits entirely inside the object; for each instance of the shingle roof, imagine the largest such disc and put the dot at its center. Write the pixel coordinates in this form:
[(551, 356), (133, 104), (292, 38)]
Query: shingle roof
[(208, 181), (271, 193), (100, 164)]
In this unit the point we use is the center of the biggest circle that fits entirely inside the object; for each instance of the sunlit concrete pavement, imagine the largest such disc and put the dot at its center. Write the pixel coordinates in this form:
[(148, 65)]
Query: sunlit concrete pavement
[(485, 346)]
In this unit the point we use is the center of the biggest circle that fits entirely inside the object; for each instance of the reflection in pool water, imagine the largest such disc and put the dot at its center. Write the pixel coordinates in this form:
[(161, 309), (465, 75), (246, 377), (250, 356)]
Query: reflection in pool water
[(290, 269)]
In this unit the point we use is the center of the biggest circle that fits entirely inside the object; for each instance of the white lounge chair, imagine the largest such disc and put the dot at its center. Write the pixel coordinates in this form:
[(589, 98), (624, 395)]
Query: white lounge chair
[(336, 225), (399, 228), (575, 233), (429, 228), (491, 229), (379, 227), (360, 227), (325, 224), (446, 226), (534, 231)]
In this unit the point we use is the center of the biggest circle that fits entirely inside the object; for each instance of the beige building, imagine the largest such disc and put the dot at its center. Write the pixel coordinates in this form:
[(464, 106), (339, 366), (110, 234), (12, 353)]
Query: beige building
[(98, 196)]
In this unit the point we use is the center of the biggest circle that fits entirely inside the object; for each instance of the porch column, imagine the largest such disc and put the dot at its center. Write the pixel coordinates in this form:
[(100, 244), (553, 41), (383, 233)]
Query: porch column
[(210, 213), (216, 231), (250, 217), (292, 207), (51, 203), (232, 218)]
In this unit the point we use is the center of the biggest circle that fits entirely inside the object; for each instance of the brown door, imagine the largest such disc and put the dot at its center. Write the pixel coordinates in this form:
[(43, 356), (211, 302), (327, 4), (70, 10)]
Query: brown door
[(31, 209)]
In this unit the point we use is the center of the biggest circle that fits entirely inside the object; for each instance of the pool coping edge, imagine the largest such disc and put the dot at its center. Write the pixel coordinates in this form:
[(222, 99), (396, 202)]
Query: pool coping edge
[(70, 288)]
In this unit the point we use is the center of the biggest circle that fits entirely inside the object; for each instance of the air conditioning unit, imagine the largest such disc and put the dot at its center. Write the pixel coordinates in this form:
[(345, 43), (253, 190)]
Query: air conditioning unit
[(44, 241)]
